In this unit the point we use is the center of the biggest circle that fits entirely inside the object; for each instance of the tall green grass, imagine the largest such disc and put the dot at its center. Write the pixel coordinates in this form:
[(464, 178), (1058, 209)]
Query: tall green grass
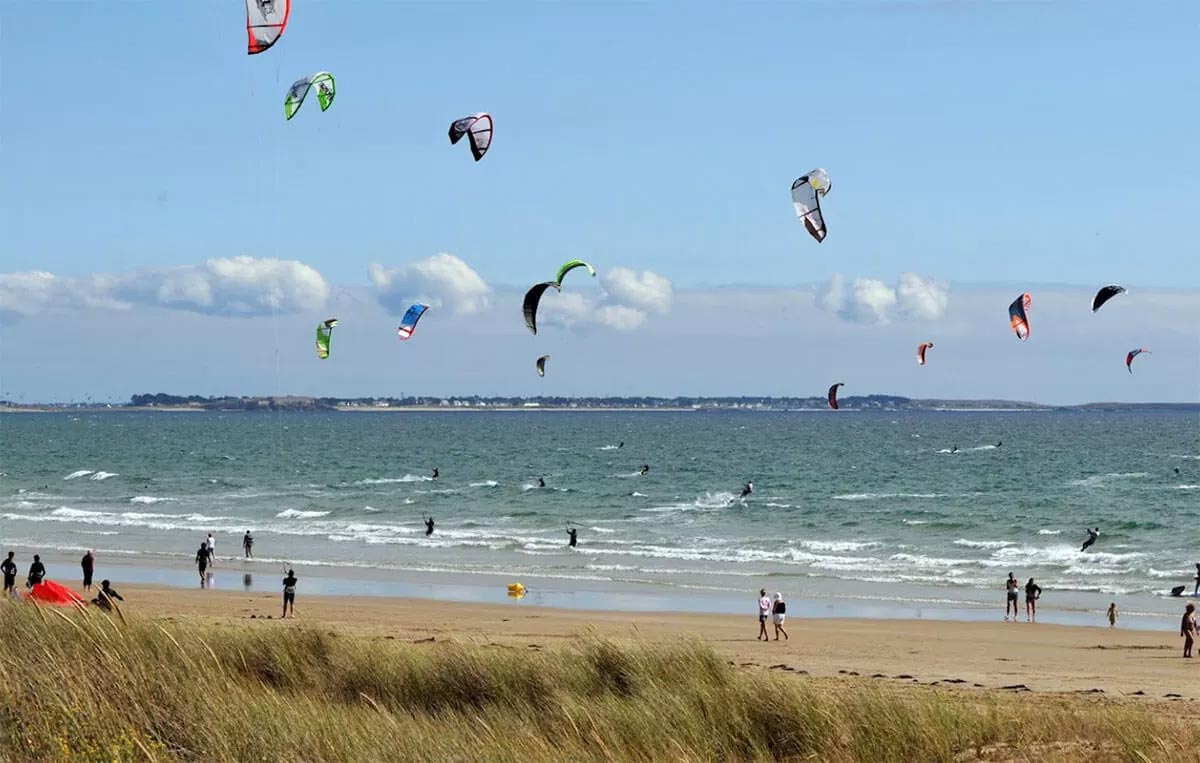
[(84, 686)]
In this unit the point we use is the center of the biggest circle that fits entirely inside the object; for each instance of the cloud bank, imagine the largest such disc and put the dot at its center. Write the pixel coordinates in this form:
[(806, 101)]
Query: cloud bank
[(869, 300), (442, 281), (235, 286), (624, 302)]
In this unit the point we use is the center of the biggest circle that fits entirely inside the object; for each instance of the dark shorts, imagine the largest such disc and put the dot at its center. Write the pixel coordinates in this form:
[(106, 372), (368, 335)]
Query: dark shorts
[(87, 578), (1012, 597), (289, 597), (762, 618), (10, 581)]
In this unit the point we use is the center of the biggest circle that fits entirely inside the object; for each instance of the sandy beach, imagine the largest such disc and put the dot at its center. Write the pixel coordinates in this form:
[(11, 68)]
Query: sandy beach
[(1143, 665)]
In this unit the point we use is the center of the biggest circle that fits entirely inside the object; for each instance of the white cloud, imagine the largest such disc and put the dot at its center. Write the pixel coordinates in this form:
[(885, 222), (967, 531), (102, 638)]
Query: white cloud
[(240, 286), (869, 300), (443, 280), (622, 304)]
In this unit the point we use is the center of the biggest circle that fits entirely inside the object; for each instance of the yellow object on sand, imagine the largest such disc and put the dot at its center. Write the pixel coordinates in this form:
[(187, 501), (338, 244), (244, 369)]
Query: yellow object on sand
[(516, 590)]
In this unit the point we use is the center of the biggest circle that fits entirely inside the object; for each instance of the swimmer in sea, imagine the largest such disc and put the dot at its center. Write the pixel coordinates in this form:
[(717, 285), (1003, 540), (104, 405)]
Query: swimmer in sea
[(644, 470), (571, 531), (428, 525), (747, 489)]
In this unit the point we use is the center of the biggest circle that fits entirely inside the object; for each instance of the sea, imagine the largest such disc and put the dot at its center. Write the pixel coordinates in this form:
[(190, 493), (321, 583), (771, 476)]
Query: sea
[(853, 514)]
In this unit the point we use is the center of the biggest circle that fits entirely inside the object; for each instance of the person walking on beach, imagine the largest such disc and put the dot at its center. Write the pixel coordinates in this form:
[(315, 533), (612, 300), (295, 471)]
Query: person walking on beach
[(37, 571), (289, 593), (572, 531), (1187, 629), (764, 611), (88, 563), (1112, 615), (211, 543), (1011, 586), (779, 611), (107, 594), (1194, 592), (428, 525), (248, 545), (1093, 536), (9, 567), (202, 562), (1033, 592)]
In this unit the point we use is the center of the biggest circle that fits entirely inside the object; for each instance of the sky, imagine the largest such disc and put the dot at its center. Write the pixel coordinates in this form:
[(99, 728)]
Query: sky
[(167, 230)]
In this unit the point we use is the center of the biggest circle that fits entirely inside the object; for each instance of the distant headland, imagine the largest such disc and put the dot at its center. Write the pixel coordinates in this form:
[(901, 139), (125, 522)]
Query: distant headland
[(164, 402)]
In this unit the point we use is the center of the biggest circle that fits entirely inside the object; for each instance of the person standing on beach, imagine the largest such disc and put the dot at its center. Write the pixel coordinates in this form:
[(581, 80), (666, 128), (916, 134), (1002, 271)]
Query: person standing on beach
[(1112, 615), (211, 543), (1187, 629), (1033, 592), (779, 610), (1011, 586), (764, 611), (37, 571), (428, 525), (1195, 592), (9, 567), (248, 545), (202, 562), (289, 593), (88, 563)]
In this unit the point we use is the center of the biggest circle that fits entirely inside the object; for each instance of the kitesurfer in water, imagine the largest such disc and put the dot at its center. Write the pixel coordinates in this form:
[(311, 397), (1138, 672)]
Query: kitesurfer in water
[(428, 525), (747, 489), (999, 443), (622, 445), (1093, 536), (436, 474), (571, 531), (541, 482), (954, 449), (644, 470)]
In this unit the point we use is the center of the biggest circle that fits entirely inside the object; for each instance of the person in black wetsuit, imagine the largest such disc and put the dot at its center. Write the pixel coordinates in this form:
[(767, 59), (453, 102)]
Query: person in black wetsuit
[(436, 473), (644, 470), (541, 482), (202, 561), (571, 531), (954, 449), (622, 445), (289, 593), (747, 489), (999, 443), (88, 564), (37, 571), (1033, 592), (1093, 535), (107, 595), (428, 525), (9, 567)]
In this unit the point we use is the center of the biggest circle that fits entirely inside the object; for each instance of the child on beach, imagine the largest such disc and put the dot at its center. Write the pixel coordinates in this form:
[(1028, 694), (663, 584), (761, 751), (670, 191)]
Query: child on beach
[(1112, 615), (779, 610), (1187, 629)]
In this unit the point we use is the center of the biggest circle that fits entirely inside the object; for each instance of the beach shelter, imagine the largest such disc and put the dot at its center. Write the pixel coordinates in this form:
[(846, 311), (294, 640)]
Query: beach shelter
[(55, 594)]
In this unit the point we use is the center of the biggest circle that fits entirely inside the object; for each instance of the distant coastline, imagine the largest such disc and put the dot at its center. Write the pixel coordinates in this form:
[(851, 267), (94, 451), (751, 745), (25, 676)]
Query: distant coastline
[(428, 404)]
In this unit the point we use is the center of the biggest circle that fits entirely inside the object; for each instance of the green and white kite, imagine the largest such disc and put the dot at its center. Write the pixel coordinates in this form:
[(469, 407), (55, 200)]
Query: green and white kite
[(322, 81), (571, 265), (324, 333)]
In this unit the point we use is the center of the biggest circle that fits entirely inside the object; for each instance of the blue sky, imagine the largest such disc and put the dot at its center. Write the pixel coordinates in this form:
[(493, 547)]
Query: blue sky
[(976, 144)]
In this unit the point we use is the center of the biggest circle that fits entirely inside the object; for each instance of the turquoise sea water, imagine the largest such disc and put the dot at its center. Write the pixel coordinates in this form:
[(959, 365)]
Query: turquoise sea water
[(848, 506)]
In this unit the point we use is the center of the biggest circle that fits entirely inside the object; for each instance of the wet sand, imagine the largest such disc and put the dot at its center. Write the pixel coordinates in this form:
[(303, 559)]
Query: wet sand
[(969, 655)]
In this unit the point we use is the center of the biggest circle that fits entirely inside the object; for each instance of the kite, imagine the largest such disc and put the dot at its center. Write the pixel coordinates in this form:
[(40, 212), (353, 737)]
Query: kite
[(541, 365), (1106, 293), (807, 191), (56, 594), (408, 324), (532, 298), (323, 81), (265, 22), (921, 348), (478, 127), (1133, 354), (1017, 315), (833, 403), (324, 332), (571, 265)]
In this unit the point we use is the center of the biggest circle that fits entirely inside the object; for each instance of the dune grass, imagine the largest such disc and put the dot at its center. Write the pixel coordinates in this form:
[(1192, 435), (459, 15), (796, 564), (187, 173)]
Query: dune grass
[(84, 686)]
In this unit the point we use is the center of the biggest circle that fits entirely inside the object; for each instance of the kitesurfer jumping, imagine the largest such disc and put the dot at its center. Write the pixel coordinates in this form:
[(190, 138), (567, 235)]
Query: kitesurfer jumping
[(747, 489), (436, 474), (644, 470), (428, 525), (571, 531), (1093, 535)]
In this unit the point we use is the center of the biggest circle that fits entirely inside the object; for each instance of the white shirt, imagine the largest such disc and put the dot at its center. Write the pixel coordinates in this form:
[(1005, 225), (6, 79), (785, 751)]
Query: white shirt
[(212, 544), (764, 605)]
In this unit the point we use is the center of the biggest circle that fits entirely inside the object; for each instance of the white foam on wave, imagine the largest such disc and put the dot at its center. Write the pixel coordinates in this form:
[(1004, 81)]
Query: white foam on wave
[(636, 494), (1187, 487), (150, 499), (915, 521), (607, 447), (605, 530), (838, 545), (485, 483), (1184, 457), (395, 480), (1049, 532), (984, 544), (298, 514), (884, 496), (78, 474), (100, 476), (1097, 480)]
